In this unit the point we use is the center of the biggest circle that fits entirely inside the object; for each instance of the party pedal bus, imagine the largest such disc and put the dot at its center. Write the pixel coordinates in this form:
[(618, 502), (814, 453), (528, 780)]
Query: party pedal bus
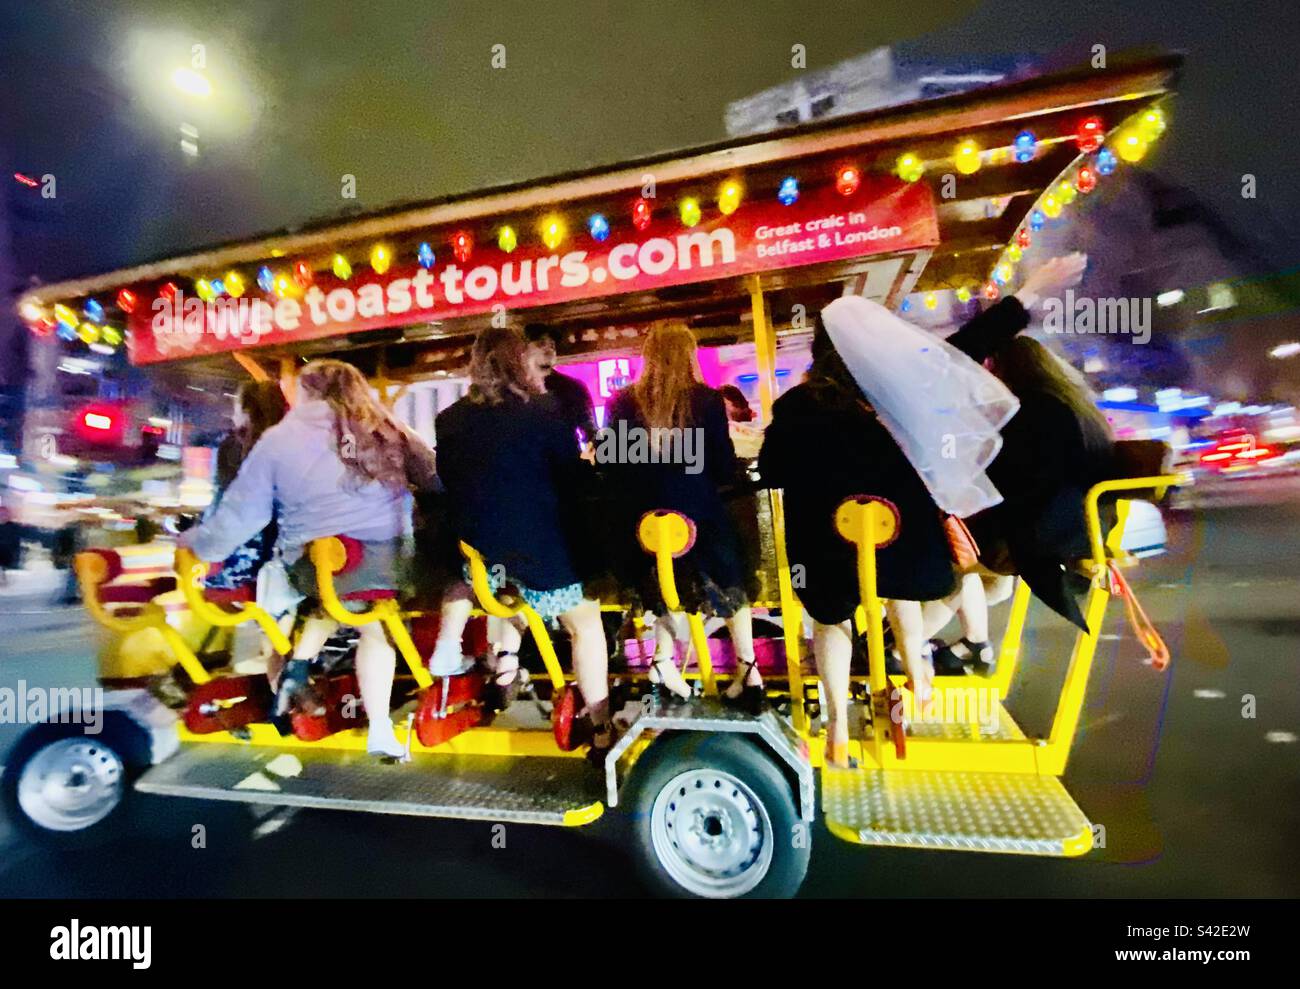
[(742, 241)]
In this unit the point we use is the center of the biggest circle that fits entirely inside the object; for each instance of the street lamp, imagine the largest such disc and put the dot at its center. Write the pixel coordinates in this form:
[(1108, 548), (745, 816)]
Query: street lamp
[(191, 83), (1285, 350)]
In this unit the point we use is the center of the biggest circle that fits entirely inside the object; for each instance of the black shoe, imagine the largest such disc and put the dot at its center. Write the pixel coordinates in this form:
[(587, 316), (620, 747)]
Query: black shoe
[(964, 656)]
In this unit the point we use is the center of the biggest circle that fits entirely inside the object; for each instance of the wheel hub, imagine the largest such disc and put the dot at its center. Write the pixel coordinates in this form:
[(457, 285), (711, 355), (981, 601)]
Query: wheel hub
[(712, 835), (71, 784)]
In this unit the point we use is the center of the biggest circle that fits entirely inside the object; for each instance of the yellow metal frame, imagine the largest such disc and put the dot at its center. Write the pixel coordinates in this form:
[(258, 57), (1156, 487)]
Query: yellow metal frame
[(329, 557), (666, 535), (490, 603), (92, 572), (867, 528), (190, 571)]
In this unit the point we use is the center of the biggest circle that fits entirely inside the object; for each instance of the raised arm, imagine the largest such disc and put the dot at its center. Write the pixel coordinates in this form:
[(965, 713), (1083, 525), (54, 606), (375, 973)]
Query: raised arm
[(985, 334)]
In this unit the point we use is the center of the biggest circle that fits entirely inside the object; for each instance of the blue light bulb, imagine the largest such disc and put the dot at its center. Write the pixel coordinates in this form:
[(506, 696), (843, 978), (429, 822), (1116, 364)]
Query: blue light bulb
[(1036, 220), (1025, 145), (598, 226), (1105, 161), (94, 311), (789, 191), (906, 306), (265, 278), (424, 254)]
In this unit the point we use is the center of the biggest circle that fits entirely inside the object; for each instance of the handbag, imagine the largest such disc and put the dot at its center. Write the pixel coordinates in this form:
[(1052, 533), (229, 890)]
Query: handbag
[(961, 543), (275, 592), (965, 551)]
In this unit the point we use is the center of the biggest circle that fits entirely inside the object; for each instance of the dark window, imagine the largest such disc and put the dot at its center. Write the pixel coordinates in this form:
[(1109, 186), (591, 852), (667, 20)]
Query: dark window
[(822, 106), (787, 117)]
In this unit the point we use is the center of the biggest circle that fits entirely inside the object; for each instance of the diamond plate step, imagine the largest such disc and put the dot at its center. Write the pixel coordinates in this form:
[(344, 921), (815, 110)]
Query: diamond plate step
[(493, 788), (1016, 813)]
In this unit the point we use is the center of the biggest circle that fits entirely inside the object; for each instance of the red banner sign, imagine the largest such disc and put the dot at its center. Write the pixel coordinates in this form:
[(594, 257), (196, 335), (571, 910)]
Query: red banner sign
[(884, 215)]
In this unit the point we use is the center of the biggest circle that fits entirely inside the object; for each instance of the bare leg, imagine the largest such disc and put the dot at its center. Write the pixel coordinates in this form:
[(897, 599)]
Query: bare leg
[(974, 611), (909, 632), (376, 664), (667, 632), (741, 627), (591, 664), (833, 650), (457, 603), (315, 633)]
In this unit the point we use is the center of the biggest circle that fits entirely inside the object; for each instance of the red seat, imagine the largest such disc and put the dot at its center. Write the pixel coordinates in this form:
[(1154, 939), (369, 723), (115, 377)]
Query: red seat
[(140, 593), (230, 595)]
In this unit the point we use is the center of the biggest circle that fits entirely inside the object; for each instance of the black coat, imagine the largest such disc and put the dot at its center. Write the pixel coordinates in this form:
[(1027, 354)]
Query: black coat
[(697, 490), (509, 470), (822, 452), (1048, 461)]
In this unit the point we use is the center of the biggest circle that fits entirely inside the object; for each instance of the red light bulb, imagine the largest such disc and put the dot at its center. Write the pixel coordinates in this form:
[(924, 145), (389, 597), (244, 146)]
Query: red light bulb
[(991, 290), (641, 212), (1023, 238), (302, 273), (168, 291), (1089, 134), (462, 245), (1086, 180), (847, 180), (126, 300)]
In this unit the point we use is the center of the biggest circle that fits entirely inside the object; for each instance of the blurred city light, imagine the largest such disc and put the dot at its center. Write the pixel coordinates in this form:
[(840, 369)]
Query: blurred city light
[(192, 83)]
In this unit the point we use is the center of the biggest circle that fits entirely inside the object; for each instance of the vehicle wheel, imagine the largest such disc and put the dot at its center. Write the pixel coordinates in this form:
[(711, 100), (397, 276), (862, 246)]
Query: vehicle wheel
[(67, 788), (712, 815)]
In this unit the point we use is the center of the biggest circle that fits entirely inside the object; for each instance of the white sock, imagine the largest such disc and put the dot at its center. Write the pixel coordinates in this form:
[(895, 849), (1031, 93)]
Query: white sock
[(380, 737)]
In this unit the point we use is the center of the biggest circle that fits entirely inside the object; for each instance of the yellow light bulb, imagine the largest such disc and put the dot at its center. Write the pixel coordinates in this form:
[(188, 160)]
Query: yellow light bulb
[(909, 167), (1014, 252), (931, 300), (690, 212), (729, 197), (205, 290), (1152, 123), (111, 335), (283, 286), (380, 258), (1051, 207), (963, 294), (65, 315), (553, 232), (1066, 192), (88, 332), (507, 240), (341, 268), (1131, 145), (966, 159), (234, 284)]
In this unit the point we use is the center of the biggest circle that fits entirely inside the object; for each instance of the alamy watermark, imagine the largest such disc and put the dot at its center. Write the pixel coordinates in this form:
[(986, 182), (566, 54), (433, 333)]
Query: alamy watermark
[(24, 705), (626, 444), (1085, 315)]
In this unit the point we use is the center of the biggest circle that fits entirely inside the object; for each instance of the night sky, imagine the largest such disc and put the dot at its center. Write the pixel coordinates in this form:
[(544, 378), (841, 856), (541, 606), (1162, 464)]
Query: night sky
[(402, 95)]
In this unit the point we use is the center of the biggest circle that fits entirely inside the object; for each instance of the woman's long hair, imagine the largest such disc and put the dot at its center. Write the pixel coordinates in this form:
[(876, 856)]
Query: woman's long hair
[(498, 366), (263, 405), (670, 369), (369, 439), (1027, 367)]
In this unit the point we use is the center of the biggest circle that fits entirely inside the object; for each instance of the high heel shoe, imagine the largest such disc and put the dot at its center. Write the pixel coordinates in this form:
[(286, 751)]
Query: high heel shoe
[(837, 753), (668, 680), (741, 693), (505, 681)]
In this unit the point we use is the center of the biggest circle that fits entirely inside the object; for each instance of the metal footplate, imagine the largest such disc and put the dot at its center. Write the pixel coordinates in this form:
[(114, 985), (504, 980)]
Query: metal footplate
[(1017, 813), (487, 788)]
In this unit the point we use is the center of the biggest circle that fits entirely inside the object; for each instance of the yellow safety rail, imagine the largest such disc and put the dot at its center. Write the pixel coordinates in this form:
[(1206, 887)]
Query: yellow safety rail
[(329, 557), (190, 571), (489, 602), (1065, 724), (92, 572), (667, 535)]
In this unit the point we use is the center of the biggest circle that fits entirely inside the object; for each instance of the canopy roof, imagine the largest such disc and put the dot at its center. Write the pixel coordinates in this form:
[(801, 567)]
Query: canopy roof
[(981, 214)]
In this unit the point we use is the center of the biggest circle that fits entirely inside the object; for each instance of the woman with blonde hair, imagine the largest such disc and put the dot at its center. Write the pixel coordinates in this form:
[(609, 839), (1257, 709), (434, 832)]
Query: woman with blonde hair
[(338, 464), (688, 466)]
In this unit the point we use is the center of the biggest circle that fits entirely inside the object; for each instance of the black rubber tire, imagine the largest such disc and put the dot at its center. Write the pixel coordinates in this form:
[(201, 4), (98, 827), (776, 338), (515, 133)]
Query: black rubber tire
[(742, 757), (120, 734)]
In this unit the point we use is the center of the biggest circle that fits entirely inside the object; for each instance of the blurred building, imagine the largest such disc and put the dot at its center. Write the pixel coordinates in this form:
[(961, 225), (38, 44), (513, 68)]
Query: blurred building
[(864, 82)]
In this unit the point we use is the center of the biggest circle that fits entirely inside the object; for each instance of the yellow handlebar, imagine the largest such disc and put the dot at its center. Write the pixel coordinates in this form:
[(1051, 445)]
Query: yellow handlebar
[(190, 571), (667, 535), (92, 571), (1159, 484), (489, 602), (869, 523)]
